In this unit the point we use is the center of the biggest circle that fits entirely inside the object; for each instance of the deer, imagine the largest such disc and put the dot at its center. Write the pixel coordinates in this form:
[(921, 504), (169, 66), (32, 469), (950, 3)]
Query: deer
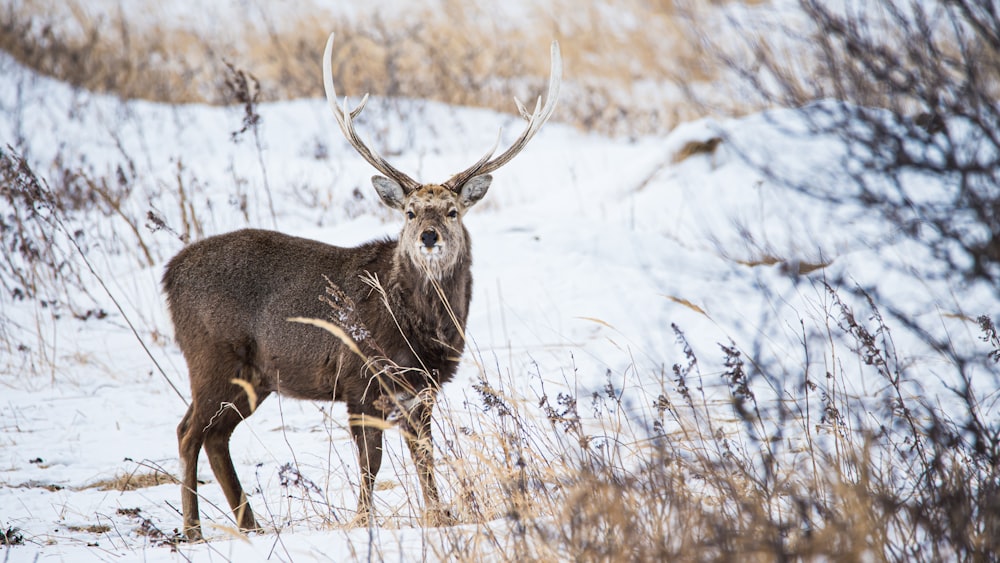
[(395, 309)]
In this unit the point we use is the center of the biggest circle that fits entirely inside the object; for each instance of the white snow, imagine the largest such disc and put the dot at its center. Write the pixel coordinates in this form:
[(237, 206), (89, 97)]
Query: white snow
[(586, 250)]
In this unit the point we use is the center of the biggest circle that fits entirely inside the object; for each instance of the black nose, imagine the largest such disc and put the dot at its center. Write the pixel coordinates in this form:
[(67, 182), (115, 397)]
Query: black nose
[(429, 238)]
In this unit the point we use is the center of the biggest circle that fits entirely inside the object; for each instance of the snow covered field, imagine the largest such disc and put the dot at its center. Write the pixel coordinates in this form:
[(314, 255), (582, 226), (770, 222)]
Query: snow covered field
[(587, 250)]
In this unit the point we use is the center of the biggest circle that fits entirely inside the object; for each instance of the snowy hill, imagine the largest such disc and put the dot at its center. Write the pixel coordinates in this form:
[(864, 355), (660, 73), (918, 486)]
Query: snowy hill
[(587, 251)]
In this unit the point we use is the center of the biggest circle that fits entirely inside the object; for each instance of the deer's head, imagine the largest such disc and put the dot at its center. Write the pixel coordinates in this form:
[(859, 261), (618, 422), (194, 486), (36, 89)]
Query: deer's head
[(433, 236)]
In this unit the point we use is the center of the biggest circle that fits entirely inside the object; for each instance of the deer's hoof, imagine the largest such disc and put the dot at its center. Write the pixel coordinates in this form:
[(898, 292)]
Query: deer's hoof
[(438, 517), (362, 520), (193, 533)]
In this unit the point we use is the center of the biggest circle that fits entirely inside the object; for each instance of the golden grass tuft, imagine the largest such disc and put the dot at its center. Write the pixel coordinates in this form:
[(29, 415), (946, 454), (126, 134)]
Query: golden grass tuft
[(132, 481), (793, 267), (693, 148)]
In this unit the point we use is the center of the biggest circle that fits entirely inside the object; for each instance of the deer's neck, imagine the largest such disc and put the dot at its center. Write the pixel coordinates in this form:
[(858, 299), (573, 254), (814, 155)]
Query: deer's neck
[(422, 280), (436, 305)]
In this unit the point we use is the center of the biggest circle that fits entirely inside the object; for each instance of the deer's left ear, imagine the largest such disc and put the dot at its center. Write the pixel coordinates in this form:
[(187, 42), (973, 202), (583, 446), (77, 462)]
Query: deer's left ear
[(474, 190)]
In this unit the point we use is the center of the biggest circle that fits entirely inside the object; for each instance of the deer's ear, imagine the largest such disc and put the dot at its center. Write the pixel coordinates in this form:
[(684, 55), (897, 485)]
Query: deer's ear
[(390, 191), (474, 190)]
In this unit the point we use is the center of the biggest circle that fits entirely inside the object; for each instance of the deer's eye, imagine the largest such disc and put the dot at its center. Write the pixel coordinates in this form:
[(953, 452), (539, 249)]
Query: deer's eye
[(453, 213), (411, 215)]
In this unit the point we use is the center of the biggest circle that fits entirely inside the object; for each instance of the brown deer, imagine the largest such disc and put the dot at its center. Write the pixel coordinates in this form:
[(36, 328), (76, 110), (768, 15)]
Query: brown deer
[(398, 306)]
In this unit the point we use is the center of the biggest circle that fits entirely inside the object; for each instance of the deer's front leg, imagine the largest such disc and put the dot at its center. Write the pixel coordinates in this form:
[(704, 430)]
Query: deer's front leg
[(416, 427)]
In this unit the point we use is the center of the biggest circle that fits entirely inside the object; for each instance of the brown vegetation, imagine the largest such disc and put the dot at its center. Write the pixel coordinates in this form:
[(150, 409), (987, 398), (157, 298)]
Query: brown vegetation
[(132, 481), (460, 55)]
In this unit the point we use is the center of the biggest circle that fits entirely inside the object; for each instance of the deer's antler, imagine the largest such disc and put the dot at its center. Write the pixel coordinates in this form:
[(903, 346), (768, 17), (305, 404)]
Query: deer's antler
[(535, 119), (484, 165), (346, 121)]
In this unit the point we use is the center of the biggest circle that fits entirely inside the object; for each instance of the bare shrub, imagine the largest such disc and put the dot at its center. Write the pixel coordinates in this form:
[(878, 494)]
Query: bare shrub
[(916, 86), (816, 474), (40, 219), (243, 88), (909, 92), (34, 267)]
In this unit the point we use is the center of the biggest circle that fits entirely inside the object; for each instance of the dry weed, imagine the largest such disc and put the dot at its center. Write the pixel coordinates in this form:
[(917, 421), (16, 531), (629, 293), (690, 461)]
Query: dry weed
[(622, 62), (776, 481), (132, 481)]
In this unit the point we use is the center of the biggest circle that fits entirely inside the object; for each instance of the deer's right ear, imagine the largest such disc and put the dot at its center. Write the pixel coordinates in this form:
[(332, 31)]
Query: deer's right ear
[(390, 191)]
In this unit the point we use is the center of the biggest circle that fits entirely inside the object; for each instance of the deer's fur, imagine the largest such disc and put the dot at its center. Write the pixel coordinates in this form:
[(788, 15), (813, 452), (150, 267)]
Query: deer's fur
[(403, 303)]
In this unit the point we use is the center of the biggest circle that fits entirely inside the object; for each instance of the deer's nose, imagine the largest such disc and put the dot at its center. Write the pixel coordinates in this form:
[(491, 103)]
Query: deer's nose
[(429, 238)]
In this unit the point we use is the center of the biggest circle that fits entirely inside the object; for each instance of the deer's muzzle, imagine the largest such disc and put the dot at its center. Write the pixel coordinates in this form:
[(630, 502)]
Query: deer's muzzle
[(429, 238)]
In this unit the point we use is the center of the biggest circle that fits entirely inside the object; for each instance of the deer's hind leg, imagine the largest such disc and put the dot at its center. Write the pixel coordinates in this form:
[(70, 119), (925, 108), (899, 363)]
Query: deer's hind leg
[(189, 442), (218, 406), (366, 428)]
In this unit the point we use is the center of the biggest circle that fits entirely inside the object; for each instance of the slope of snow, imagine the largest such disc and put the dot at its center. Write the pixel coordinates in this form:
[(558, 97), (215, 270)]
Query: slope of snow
[(586, 251)]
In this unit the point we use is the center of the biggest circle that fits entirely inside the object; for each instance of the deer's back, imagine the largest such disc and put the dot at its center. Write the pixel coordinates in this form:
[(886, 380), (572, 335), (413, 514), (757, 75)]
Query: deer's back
[(231, 295)]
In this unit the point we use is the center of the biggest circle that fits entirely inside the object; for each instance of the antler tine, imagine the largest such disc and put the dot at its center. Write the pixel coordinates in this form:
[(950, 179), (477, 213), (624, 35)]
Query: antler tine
[(535, 121), (456, 181), (346, 121)]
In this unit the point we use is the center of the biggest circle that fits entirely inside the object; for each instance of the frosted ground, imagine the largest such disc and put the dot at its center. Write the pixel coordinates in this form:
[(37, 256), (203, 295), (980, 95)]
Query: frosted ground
[(586, 251)]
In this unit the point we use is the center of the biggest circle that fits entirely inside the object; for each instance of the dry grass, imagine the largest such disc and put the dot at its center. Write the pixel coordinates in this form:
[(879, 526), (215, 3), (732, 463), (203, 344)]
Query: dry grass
[(792, 267), (106, 57), (817, 475), (460, 55), (625, 475), (132, 481), (91, 528), (694, 148)]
